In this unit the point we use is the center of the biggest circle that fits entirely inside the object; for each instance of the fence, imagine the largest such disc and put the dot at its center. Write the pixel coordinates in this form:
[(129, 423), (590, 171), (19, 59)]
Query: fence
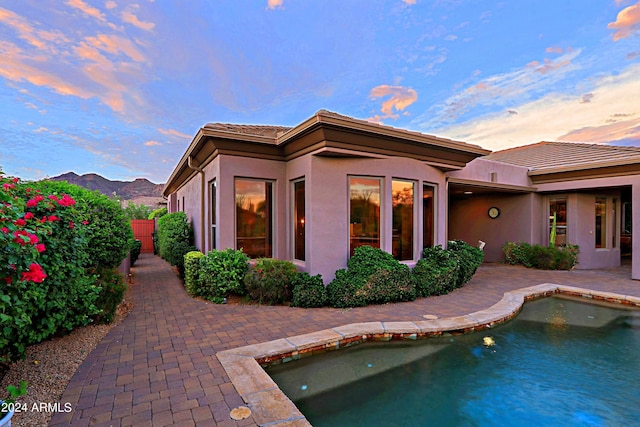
[(143, 231)]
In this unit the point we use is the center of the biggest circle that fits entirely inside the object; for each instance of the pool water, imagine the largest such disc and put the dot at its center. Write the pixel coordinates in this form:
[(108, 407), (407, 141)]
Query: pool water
[(560, 362)]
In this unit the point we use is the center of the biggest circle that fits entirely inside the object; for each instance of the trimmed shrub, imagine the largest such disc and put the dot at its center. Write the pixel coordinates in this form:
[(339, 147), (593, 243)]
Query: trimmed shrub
[(469, 259), (107, 227), (436, 273), (542, 257), (270, 281), (192, 271), (371, 277), (112, 288), (175, 239), (136, 248), (308, 291), (517, 253), (390, 286), (221, 274)]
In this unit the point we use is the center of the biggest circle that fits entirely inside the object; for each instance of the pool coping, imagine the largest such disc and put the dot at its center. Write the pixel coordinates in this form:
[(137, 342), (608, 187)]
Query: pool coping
[(270, 406)]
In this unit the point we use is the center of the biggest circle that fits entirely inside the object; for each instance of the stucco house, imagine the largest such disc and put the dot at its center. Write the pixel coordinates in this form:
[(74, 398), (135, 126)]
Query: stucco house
[(314, 192)]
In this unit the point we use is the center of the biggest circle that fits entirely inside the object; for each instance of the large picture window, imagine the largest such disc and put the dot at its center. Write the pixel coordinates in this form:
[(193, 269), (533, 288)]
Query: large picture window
[(428, 215), (299, 220), (402, 202), (254, 217), (364, 212)]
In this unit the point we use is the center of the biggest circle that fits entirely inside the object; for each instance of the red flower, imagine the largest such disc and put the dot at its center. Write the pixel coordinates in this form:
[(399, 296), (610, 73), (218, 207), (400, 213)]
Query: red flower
[(15, 180), (71, 225), (8, 280), (19, 222), (66, 201), (85, 222), (5, 230), (8, 186), (28, 215), (32, 203), (40, 247), (53, 218), (35, 274)]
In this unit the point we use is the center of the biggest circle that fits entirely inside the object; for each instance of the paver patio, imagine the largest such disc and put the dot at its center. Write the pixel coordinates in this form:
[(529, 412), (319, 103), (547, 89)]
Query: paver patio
[(158, 367)]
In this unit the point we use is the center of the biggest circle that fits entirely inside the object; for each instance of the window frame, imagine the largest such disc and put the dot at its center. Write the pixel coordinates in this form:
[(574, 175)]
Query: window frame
[(295, 218), (270, 229), (380, 218)]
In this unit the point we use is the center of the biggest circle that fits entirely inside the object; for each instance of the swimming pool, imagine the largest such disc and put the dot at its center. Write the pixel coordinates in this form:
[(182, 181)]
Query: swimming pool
[(269, 405), (561, 361)]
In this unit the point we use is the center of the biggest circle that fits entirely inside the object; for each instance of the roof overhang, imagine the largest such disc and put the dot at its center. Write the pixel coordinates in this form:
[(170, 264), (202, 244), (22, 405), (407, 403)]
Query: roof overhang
[(461, 187), (590, 171), (326, 134)]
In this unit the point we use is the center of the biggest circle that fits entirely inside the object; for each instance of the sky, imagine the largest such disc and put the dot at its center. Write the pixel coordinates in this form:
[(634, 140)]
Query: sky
[(120, 88)]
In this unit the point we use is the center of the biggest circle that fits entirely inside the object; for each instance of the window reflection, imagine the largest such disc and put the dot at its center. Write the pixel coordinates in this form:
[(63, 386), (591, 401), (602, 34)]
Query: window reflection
[(364, 218), (402, 203), (254, 217)]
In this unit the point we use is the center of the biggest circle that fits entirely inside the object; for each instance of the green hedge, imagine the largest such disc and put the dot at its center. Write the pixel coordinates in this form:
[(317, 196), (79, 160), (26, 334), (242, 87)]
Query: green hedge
[(308, 291), (270, 281), (112, 288), (469, 259), (136, 248), (436, 273), (221, 274), (192, 271), (175, 239), (372, 276), (541, 257)]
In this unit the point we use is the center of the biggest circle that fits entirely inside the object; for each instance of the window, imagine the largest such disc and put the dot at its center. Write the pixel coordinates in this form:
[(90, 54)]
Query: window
[(428, 215), (213, 204), (364, 212), (254, 217), (601, 222), (299, 220), (402, 194), (558, 209)]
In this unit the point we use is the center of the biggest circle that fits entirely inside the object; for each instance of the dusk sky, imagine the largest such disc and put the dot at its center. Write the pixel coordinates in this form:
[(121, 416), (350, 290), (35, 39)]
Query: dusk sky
[(120, 88)]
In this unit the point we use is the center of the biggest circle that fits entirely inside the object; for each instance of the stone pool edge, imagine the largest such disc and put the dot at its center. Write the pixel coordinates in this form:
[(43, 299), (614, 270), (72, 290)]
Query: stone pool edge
[(270, 406)]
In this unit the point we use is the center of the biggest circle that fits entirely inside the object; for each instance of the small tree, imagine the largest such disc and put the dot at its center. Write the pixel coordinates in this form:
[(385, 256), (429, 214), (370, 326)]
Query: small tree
[(133, 211)]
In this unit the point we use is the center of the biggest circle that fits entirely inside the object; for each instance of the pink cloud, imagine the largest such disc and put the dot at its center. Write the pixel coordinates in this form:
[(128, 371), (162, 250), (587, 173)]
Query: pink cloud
[(130, 18), (618, 130), (152, 143), (25, 31), (554, 49), (87, 10), (409, 1), (273, 4), (548, 65), (399, 98), (627, 22), (174, 133)]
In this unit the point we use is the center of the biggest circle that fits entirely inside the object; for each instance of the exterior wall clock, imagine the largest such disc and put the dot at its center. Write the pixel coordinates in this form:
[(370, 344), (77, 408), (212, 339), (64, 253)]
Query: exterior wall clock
[(494, 212)]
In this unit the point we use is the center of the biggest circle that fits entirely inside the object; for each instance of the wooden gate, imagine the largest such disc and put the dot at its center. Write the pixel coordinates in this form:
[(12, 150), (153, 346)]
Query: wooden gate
[(143, 231)]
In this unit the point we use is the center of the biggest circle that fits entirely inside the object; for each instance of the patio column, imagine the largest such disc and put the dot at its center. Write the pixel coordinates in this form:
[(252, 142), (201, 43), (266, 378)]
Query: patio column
[(635, 237)]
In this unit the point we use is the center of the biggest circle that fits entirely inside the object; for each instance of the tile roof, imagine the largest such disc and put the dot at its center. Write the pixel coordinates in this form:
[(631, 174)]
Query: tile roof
[(566, 155), (260, 130)]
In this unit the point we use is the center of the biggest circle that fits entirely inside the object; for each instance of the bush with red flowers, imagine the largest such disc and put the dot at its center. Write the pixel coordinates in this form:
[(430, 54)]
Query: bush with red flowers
[(45, 284)]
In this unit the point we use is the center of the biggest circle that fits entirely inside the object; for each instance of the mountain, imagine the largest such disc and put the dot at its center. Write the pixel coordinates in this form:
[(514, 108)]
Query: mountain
[(140, 189)]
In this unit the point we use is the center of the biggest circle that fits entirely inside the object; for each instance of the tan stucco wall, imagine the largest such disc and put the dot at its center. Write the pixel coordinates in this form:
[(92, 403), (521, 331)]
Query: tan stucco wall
[(481, 169), (469, 221), (328, 206)]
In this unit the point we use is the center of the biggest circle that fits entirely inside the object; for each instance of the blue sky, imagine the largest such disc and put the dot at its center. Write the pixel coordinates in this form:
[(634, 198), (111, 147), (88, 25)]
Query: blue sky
[(119, 88)]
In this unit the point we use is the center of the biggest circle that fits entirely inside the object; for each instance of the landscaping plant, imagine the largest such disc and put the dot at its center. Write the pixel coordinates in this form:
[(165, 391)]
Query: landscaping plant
[(469, 259), (221, 274), (372, 276), (175, 239), (192, 272), (436, 273), (270, 280), (308, 291)]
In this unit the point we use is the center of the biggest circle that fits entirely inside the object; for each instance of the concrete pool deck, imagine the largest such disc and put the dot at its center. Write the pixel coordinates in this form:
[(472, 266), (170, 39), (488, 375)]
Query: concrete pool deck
[(159, 366)]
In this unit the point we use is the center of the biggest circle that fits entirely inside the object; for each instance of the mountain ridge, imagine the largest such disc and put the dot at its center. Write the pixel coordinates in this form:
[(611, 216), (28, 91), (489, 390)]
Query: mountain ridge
[(126, 190)]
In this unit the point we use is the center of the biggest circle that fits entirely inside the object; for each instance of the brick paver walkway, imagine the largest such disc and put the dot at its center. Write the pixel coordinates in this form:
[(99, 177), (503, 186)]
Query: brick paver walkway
[(158, 367)]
